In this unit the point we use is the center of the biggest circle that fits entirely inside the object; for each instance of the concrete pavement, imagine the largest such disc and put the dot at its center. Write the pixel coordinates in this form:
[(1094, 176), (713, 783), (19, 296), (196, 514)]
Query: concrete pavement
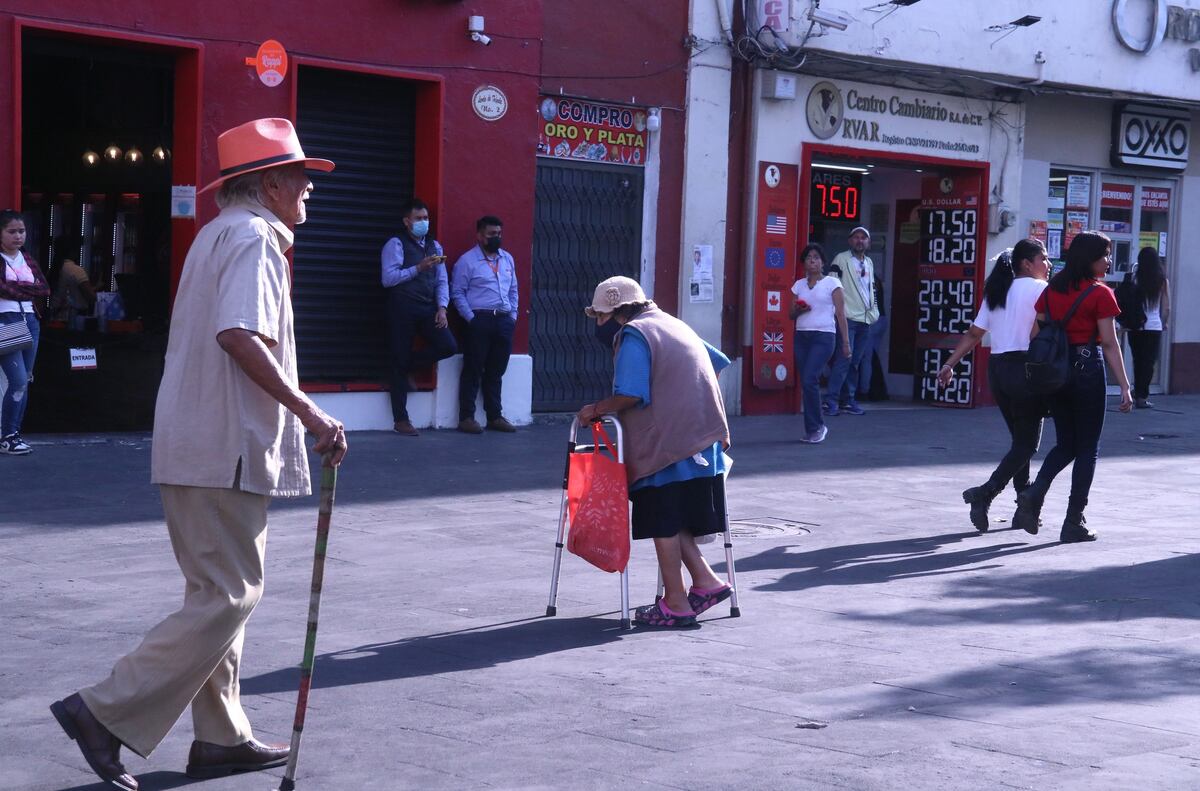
[(884, 643)]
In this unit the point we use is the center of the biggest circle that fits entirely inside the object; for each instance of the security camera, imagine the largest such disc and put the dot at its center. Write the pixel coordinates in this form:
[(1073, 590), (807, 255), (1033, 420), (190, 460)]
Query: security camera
[(481, 38), (833, 19)]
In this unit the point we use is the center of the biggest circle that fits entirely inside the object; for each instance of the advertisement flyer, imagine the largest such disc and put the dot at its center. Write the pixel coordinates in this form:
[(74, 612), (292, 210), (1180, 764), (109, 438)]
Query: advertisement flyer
[(701, 284)]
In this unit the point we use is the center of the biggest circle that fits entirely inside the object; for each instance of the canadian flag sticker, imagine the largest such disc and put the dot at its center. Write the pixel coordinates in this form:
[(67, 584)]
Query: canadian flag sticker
[(774, 303)]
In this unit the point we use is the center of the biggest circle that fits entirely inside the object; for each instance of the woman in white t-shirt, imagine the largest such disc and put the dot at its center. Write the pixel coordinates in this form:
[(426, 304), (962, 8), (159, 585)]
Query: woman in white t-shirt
[(1154, 290), (1008, 313), (819, 312), (21, 284)]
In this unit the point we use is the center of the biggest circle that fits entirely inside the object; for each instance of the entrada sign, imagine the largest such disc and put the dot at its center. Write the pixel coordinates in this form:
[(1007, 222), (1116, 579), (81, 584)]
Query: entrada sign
[(1150, 136)]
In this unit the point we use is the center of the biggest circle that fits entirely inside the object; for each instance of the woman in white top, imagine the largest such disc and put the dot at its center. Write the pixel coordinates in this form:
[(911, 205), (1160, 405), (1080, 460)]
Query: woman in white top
[(1008, 313), (819, 312), (1151, 286), (21, 283)]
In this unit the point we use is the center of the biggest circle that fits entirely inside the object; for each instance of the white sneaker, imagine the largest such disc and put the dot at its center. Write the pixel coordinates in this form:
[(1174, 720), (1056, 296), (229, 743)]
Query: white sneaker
[(820, 435), (13, 445)]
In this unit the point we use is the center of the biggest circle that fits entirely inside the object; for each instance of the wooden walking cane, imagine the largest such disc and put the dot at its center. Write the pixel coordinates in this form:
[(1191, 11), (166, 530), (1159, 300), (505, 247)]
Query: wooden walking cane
[(324, 512)]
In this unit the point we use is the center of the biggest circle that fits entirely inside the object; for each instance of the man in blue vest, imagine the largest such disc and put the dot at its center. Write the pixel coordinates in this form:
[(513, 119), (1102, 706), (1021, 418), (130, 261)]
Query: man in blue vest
[(418, 291)]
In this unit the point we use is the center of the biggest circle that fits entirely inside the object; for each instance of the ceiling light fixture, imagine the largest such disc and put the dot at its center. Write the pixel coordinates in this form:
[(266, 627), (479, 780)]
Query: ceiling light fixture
[(850, 168)]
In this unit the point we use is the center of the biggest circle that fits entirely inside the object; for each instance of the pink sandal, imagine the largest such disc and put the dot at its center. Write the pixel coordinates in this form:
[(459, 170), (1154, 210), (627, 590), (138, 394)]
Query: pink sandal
[(659, 614), (702, 599)]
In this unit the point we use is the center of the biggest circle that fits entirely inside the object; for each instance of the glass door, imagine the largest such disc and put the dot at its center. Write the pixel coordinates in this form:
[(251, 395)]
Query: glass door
[(1155, 200)]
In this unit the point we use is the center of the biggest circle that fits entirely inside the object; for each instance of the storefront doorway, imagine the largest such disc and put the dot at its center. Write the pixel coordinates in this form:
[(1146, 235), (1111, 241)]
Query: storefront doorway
[(587, 227), (97, 132), (927, 219)]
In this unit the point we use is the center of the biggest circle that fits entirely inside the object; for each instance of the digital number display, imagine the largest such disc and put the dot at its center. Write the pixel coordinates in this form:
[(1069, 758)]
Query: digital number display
[(945, 307), (926, 386), (836, 196), (948, 236)]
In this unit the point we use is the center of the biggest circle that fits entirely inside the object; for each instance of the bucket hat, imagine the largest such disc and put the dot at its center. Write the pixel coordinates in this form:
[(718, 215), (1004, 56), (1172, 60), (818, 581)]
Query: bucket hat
[(613, 293), (258, 145)]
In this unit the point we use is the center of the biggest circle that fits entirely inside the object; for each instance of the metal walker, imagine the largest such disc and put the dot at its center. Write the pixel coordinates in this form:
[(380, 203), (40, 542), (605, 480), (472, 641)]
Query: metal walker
[(619, 443)]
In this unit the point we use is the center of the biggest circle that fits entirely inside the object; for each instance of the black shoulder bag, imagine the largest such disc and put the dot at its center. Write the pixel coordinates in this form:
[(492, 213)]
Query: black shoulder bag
[(1048, 364)]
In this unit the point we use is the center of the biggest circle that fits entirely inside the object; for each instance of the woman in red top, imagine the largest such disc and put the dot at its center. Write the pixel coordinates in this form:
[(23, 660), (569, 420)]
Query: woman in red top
[(1078, 408)]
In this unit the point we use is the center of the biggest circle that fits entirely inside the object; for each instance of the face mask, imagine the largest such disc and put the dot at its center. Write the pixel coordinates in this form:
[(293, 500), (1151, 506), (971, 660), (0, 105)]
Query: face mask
[(420, 228), (606, 333), (492, 244)]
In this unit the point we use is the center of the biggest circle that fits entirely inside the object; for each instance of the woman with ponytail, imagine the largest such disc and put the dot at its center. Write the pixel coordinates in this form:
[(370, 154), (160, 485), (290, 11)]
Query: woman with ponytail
[(1016, 281), (1154, 291)]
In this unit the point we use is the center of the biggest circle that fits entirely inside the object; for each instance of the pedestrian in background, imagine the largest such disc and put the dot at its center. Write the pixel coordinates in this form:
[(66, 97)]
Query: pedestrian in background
[(484, 290), (21, 285), (666, 395), (857, 273), (820, 315), (418, 292), (1078, 408), (228, 435), (1153, 290), (1008, 312)]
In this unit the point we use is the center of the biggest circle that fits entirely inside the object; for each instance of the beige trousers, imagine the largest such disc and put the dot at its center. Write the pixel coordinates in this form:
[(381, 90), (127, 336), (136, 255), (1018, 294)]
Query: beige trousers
[(219, 537)]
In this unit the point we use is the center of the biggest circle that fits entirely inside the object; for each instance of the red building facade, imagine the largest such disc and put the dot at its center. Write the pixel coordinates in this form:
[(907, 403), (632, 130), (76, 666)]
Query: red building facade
[(115, 114)]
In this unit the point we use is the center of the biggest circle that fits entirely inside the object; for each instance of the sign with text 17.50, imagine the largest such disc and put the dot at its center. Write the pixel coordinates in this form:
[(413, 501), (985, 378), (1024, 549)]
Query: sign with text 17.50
[(926, 386)]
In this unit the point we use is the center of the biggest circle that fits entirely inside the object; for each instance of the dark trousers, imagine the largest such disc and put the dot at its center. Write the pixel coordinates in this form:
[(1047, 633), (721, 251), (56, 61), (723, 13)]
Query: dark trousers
[(406, 320), (1144, 346), (811, 351), (486, 350), (1023, 413), (1078, 411)]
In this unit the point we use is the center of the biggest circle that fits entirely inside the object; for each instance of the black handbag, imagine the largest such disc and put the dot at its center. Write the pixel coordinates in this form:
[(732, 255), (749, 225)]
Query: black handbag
[(1048, 364), (1133, 308)]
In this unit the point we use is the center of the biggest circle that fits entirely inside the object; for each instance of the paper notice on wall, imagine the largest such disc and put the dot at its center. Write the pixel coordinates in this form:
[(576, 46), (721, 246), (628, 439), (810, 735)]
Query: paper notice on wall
[(1079, 191), (83, 359), (183, 202), (1148, 239), (1073, 229), (1038, 230), (1080, 217), (1162, 243), (1054, 243), (1054, 218), (701, 284)]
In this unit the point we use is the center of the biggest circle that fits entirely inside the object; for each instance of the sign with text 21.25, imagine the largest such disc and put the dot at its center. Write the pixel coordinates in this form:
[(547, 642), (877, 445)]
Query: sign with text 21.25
[(774, 273)]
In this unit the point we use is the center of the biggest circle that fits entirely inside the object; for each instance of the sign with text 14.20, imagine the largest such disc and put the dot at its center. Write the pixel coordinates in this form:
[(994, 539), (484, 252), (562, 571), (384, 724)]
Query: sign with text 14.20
[(926, 386)]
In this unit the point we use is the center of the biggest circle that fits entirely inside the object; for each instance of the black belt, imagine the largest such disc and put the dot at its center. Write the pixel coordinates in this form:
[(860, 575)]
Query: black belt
[(492, 311)]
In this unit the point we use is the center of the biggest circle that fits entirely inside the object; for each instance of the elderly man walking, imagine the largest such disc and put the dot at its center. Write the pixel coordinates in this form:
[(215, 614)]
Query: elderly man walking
[(228, 435)]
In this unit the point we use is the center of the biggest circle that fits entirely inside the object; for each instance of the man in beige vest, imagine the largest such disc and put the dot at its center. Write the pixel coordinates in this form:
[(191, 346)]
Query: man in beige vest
[(666, 395), (228, 435), (857, 273)]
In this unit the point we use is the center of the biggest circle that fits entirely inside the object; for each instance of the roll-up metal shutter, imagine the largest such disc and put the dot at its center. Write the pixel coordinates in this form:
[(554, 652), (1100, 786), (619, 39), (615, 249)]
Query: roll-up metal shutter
[(364, 123)]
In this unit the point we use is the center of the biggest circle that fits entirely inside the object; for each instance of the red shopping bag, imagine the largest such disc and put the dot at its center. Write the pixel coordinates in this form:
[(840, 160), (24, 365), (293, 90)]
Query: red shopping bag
[(598, 506)]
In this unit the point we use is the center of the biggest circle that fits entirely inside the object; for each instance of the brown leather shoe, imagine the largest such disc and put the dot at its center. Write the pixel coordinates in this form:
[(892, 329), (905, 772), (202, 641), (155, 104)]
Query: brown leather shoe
[(470, 426), (100, 748), (500, 424), (213, 760), (406, 428)]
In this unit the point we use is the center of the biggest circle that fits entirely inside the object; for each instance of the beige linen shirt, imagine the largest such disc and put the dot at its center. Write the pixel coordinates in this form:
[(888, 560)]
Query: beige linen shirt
[(211, 420)]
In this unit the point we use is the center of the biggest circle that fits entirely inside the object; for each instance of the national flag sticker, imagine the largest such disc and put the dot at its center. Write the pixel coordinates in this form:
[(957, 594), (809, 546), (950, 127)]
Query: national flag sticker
[(777, 224), (774, 303), (772, 342), (775, 258)]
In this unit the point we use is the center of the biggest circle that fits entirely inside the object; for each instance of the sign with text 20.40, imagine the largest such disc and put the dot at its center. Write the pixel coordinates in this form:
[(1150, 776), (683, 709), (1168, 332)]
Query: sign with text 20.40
[(575, 129)]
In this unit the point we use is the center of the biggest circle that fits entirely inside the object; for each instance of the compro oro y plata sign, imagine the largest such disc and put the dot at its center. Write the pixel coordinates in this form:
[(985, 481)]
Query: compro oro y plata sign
[(575, 129)]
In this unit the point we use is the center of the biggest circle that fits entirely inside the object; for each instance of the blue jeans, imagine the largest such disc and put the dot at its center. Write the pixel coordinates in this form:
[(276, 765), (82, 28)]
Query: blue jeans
[(18, 370), (812, 350), (1078, 411), (864, 369), (845, 369)]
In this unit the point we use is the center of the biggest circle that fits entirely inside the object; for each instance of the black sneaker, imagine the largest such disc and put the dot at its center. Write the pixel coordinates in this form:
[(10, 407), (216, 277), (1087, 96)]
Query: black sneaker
[(13, 445)]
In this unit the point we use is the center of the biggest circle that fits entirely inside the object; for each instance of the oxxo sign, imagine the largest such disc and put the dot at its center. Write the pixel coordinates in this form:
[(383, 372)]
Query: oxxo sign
[(1149, 136)]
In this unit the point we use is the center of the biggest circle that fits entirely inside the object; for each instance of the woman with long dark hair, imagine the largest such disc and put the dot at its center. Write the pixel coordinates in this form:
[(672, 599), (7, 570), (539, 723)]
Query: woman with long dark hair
[(22, 286), (1078, 408), (1016, 281), (1154, 291)]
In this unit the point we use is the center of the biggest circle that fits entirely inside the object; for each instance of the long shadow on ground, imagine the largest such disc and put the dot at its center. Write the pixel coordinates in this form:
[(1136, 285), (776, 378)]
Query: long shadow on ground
[(446, 652), (879, 561), (154, 781)]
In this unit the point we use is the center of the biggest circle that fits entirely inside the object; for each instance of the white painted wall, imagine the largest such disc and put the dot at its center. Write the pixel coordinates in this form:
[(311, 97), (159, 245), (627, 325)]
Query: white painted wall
[(705, 169), (438, 408), (1076, 39)]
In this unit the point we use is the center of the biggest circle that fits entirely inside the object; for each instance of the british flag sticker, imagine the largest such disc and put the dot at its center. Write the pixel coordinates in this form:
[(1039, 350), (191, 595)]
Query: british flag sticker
[(772, 342)]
